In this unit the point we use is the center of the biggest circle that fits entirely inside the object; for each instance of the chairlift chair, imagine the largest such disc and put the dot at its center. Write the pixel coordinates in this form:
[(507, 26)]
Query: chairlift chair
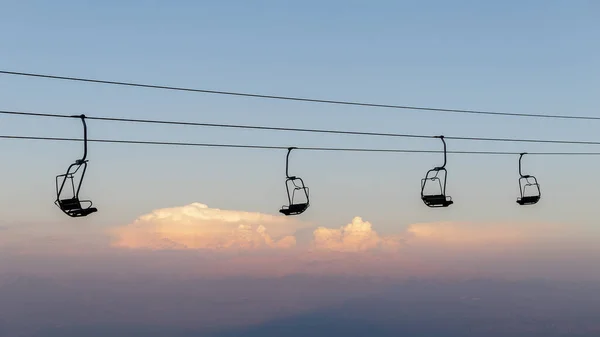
[(294, 207), (72, 206), (524, 182), (440, 199)]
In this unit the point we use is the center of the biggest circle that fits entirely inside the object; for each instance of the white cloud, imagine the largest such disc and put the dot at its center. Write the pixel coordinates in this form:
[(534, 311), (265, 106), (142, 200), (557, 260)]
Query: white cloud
[(196, 226)]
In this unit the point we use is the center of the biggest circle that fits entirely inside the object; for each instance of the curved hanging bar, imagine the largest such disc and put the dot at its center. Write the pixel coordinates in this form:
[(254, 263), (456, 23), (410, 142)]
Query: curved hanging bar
[(72, 206), (524, 182), (444, 142), (439, 199), (287, 162), (293, 207)]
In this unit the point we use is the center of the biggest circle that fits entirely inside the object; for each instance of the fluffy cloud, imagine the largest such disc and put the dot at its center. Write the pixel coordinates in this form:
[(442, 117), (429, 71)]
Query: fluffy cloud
[(197, 226), (354, 237)]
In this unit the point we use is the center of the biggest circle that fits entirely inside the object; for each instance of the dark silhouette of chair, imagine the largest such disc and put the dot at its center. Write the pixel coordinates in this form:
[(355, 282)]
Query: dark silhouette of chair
[(432, 176), (72, 206), (294, 207), (526, 180)]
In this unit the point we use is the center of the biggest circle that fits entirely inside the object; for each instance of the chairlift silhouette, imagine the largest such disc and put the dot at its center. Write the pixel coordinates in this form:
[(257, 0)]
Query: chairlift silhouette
[(72, 206), (524, 182), (294, 207), (440, 199)]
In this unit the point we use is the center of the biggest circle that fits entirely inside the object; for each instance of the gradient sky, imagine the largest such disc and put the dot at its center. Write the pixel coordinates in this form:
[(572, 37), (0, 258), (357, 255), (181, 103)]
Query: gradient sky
[(534, 56), (366, 217)]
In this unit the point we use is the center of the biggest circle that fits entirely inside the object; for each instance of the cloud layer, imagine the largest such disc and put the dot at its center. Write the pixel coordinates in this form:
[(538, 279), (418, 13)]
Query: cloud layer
[(197, 226), (213, 242)]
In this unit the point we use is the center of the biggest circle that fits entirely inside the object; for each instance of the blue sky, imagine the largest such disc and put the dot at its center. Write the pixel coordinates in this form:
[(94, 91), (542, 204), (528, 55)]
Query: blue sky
[(188, 239), (533, 56)]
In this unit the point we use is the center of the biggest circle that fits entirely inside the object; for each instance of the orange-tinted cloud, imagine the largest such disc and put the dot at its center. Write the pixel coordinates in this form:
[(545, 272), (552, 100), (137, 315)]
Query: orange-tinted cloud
[(197, 226)]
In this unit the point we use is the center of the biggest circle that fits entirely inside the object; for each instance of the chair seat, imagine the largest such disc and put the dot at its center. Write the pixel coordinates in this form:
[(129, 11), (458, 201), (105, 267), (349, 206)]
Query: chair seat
[(439, 200), (293, 209), (528, 200)]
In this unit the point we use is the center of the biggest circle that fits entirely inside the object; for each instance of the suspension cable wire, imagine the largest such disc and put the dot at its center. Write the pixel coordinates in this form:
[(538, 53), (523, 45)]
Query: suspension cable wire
[(301, 99), (272, 147), (273, 128)]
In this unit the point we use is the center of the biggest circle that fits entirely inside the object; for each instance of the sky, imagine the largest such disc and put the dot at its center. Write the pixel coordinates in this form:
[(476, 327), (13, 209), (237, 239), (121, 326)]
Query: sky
[(195, 226)]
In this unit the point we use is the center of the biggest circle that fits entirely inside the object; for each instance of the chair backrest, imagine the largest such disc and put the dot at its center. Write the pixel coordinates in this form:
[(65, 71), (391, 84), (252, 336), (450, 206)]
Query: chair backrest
[(70, 204)]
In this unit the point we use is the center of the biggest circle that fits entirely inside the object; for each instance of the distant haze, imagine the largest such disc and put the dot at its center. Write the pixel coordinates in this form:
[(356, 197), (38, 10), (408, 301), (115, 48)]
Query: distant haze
[(194, 269)]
